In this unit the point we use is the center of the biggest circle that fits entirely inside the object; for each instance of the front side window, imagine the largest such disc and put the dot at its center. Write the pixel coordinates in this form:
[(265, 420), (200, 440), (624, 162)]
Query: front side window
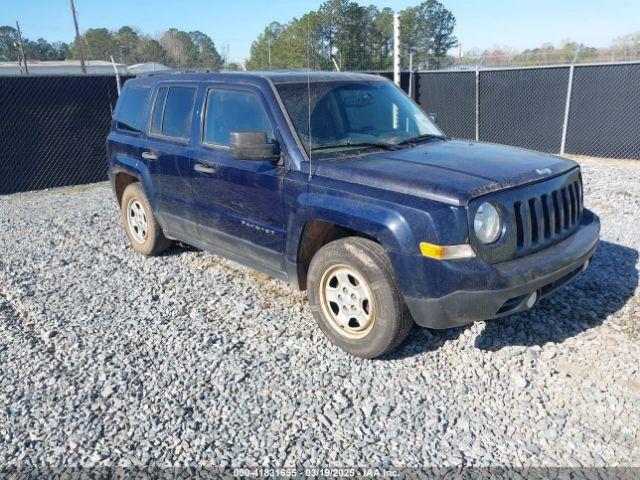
[(132, 103), (347, 115), (172, 111), (233, 111)]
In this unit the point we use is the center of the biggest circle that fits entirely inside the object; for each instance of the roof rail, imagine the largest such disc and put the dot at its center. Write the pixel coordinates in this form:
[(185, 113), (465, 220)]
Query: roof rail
[(174, 71)]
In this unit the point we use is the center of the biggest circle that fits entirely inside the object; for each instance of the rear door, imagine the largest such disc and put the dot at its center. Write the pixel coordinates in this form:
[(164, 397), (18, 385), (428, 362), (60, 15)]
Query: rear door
[(239, 202), (169, 157)]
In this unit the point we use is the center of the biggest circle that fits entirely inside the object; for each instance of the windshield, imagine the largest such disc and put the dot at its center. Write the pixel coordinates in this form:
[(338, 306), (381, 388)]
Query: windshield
[(354, 115)]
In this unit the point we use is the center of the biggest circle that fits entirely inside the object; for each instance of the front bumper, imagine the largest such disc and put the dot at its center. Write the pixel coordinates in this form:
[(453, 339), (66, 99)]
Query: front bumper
[(506, 286)]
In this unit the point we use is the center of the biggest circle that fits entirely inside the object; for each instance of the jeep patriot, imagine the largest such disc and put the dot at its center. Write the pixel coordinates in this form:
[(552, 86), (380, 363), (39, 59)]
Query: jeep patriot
[(341, 185)]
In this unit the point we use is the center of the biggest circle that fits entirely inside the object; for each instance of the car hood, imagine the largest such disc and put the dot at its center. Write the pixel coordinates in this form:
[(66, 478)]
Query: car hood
[(450, 171)]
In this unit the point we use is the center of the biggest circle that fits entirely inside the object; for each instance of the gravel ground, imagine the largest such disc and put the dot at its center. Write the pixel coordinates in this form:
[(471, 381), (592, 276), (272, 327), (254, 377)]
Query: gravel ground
[(107, 357)]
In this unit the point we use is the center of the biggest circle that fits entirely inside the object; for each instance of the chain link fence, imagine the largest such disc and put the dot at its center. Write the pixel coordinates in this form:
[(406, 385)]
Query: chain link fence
[(580, 109), (450, 98), (604, 112), (523, 107), (53, 129)]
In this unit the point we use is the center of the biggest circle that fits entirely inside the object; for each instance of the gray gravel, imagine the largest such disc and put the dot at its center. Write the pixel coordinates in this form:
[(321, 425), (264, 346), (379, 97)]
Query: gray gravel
[(107, 357)]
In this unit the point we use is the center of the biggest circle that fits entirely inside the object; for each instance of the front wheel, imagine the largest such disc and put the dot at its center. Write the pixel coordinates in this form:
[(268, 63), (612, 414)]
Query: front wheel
[(355, 299)]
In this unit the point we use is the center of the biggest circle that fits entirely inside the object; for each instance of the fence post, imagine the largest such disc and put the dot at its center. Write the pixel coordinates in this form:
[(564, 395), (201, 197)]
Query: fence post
[(567, 108), (411, 75), (115, 69), (477, 103), (396, 49)]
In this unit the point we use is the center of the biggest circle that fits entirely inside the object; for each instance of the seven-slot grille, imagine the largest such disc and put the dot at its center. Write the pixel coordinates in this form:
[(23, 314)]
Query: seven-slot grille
[(545, 218)]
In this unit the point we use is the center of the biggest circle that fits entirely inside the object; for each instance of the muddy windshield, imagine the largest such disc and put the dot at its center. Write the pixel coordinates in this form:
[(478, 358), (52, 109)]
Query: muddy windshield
[(346, 116)]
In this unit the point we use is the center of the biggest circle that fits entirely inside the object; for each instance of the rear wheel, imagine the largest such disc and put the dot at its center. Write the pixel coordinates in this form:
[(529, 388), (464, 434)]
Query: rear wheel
[(355, 299), (143, 231)]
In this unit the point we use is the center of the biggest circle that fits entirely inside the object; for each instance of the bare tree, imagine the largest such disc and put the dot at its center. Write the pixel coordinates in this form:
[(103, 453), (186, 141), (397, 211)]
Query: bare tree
[(175, 48)]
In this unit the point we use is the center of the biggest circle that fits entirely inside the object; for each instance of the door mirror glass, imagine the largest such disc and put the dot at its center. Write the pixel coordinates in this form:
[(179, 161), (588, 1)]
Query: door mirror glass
[(252, 145)]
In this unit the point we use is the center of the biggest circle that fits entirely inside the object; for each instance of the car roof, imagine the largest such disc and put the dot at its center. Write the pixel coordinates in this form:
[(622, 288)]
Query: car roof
[(277, 77)]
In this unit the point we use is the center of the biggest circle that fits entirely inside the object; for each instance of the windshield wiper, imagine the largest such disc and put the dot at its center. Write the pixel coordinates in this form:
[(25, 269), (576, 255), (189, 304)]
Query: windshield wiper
[(386, 146), (419, 138)]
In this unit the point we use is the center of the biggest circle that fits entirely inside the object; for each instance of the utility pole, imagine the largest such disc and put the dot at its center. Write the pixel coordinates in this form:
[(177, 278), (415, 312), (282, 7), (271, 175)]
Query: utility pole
[(78, 39), (269, 50), (24, 59), (396, 49)]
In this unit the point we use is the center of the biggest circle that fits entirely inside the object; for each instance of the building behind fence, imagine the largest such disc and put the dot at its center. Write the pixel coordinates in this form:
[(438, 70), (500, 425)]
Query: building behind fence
[(53, 129)]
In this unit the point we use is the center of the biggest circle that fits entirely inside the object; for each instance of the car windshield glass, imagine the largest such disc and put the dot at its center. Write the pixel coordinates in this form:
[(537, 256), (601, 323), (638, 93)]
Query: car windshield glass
[(352, 115)]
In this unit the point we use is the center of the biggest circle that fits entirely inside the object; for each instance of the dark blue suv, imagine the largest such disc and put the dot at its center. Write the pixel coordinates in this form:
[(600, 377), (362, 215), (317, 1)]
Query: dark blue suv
[(341, 185)]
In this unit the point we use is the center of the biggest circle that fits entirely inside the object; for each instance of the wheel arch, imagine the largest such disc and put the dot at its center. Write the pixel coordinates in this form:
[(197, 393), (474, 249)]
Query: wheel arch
[(121, 182), (125, 170), (320, 219)]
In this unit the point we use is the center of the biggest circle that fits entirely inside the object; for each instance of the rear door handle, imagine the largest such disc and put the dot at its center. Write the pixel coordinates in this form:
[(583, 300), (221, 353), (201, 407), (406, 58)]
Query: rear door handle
[(198, 167), (149, 156)]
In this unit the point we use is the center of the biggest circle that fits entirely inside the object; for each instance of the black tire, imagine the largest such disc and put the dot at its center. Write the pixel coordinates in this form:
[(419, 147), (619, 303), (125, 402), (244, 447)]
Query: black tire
[(154, 240), (391, 320)]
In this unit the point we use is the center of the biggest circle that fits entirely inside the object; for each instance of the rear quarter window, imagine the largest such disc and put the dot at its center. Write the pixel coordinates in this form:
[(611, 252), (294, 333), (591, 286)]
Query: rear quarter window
[(131, 109)]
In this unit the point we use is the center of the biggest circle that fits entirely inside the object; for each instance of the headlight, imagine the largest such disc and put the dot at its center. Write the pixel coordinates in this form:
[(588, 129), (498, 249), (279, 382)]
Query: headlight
[(487, 223)]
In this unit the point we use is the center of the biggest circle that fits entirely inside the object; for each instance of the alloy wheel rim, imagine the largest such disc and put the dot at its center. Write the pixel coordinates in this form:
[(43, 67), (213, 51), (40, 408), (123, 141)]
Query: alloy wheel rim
[(137, 221), (347, 301)]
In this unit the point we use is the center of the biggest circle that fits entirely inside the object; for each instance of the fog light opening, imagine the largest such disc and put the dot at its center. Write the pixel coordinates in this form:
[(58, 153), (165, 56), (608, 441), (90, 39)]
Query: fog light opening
[(531, 300)]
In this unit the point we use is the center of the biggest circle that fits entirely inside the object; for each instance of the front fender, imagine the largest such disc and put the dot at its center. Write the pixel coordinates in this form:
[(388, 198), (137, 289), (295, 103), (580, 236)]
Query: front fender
[(385, 224), (398, 224)]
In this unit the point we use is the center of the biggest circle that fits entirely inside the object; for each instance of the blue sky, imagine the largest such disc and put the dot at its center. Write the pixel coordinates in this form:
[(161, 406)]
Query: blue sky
[(480, 23)]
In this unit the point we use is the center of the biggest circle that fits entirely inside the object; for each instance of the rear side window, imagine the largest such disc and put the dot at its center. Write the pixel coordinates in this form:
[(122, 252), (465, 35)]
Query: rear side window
[(132, 103), (233, 111), (172, 111), (158, 110)]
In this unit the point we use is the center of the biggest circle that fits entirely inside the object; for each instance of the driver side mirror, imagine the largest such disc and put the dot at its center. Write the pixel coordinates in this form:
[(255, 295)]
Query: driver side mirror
[(252, 145)]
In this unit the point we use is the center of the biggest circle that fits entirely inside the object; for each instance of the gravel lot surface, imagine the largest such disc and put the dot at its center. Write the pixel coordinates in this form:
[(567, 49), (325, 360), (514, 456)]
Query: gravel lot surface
[(107, 357)]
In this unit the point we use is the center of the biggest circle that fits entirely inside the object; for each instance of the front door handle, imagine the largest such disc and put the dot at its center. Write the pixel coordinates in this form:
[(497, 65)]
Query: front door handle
[(198, 167), (149, 156)]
